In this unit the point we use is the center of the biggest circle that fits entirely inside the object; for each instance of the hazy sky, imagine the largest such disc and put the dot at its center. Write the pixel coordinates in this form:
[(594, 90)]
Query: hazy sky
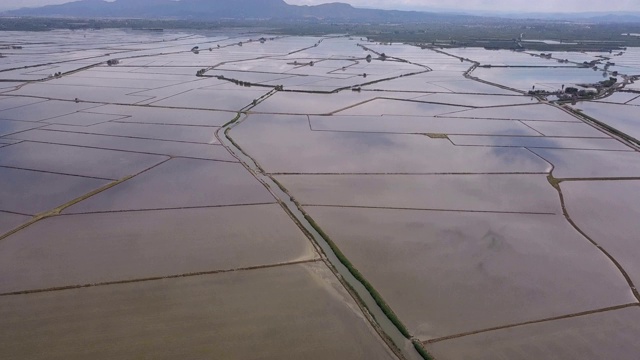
[(484, 5)]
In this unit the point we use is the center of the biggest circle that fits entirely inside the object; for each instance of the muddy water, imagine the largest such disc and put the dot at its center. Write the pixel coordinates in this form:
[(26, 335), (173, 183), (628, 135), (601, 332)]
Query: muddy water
[(539, 112), (541, 142), (566, 129), (569, 339), (502, 57), (182, 183), (11, 102), (83, 119), (398, 107), (444, 192), (272, 139), (192, 134), (74, 160), (147, 146), (592, 163), (43, 110), (33, 192), (139, 245), (621, 117), (286, 312), (301, 103), (10, 221), (8, 127), (214, 99), (438, 84), (447, 273), (164, 116), (420, 125), (389, 329), (618, 98), (550, 79), (476, 100), (84, 93), (608, 212)]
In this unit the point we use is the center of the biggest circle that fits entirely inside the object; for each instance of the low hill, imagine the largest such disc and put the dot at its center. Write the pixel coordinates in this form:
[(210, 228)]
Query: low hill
[(224, 9)]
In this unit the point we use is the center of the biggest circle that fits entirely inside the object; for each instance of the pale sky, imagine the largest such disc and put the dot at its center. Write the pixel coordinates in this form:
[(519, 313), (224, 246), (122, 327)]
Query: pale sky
[(460, 5)]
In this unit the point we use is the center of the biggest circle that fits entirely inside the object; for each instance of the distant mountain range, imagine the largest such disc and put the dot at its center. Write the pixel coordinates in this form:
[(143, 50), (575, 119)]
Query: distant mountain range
[(223, 9), (280, 10)]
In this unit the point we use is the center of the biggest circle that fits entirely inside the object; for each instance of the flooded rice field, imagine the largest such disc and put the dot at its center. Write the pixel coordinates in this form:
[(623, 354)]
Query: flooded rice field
[(69, 160), (475, 192), (380, 153), (572, 338), (607, 215), (448, 273), (111, 247), (533, 78), (181, 183), (236, 315), (29, 192), (269, 197), (622, 116)]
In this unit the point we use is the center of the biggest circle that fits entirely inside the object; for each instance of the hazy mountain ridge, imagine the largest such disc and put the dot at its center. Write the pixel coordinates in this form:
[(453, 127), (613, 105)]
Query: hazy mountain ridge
[(224, 9), (279, 9)]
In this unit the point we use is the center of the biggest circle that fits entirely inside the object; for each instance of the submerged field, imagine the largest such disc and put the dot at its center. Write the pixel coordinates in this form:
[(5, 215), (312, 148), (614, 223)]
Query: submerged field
[(312, 197)]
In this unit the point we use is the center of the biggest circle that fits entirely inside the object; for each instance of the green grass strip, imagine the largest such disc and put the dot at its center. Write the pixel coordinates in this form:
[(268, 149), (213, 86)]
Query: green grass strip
[(421, 350), (374, 293), (232, 120)]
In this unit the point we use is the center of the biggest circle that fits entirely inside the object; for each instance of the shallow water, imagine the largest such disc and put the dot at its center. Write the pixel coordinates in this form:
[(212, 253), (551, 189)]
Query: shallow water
[(541, 142), (607, 212), (566, 129), (443, 192), (398, 107), (190, 134), (574, 339), (83, 119), (74, 160), (309, 316), (233, 100), (127, 246), (420, 125), (183, 183), (584, 164), (10, 221), (621, 117), (146, 146), (11, 102), (43, 110), (34, 192), (540, 112), (477, 100), (285, 144), (8, 127), (446, 273), (497, 253), (550, 79), (165, 116)]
